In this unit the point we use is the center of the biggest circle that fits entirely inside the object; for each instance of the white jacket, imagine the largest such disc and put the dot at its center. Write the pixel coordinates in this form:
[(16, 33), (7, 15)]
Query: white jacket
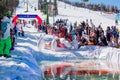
[(19, 26), (10, 25)]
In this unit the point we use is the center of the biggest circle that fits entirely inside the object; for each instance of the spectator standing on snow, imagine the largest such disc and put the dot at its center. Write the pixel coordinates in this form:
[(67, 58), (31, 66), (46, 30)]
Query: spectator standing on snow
[(103, 40), (20, 31), (108, 34), (5, 41), (116, 36), (24, 23), (116, 21)]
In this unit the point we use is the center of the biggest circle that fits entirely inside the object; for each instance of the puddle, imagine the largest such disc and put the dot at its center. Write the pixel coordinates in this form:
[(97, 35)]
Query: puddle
[(80, 70)]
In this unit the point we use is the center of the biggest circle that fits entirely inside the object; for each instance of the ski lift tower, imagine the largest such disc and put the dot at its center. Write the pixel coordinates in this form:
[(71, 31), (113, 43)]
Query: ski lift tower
[(27, 6)]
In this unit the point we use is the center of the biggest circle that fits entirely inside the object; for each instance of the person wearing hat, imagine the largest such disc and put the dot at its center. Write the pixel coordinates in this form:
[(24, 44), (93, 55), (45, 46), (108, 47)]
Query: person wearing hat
[(11, 32), (5, 41)]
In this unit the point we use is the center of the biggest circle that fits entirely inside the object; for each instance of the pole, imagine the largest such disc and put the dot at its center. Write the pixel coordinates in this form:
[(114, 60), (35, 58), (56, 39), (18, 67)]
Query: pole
[(53, 11), (47, 17), (53, 18), (27, 6), (101, 8)]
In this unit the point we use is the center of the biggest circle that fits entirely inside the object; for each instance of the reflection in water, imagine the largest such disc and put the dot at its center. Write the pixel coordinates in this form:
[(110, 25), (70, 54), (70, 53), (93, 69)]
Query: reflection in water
[(80, 70)]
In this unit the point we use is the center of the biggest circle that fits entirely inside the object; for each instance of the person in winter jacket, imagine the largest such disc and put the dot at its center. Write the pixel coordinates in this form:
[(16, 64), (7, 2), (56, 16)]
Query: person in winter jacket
[(116, 36), (103, 40), (108, 33), (20, 31), (62, 33), (5, 41)]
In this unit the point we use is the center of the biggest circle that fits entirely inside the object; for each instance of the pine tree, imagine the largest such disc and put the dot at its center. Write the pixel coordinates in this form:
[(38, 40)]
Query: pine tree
[(47, 18)]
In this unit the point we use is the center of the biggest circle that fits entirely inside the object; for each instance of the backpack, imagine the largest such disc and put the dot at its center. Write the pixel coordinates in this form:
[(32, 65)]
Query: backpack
[(3, 28)]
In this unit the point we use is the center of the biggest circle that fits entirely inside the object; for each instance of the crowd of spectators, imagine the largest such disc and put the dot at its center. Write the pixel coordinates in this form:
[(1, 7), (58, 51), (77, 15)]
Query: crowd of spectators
[(86, 33)]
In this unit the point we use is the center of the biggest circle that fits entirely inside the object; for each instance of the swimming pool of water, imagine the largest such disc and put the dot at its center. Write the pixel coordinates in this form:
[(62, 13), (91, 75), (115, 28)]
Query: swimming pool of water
[(80, 70)]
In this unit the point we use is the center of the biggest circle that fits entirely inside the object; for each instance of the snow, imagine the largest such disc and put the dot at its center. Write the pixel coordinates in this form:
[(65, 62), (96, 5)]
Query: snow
[(28, 58), (22, 64), (80, 14)]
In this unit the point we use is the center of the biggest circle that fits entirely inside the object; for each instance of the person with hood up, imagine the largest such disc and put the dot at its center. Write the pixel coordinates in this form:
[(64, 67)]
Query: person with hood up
[(5, 41)]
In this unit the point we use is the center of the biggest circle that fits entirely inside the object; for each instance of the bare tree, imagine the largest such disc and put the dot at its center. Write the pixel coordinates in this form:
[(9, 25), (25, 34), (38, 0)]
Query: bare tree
[(55, 8)]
